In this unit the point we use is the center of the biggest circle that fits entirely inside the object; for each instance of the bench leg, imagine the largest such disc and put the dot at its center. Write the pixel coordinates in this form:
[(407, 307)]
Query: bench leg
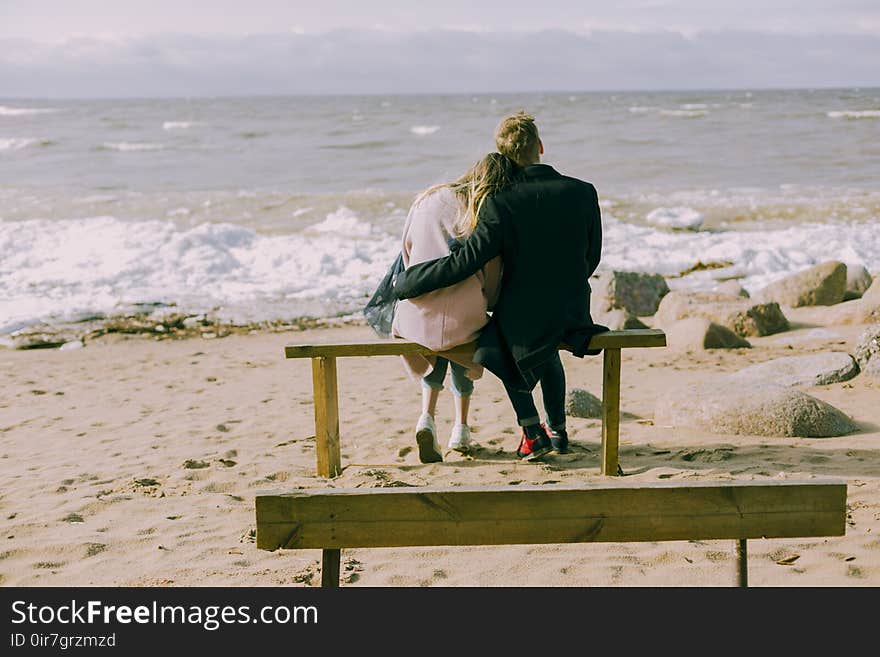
[(326, 416), (742, 568), (330, 568), (610, 411)]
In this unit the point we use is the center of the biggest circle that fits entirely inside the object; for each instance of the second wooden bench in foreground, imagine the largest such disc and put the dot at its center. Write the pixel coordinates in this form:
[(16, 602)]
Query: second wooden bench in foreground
[(327, 403), (332, 519)]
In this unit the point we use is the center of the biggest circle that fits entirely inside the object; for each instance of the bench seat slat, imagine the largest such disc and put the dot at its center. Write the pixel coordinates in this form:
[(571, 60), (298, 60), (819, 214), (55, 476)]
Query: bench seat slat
[(608, 340), (549, 514)]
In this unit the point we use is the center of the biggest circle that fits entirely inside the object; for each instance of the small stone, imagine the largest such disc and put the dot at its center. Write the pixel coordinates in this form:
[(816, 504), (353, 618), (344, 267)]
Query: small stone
[(868, 346), (580, 403)]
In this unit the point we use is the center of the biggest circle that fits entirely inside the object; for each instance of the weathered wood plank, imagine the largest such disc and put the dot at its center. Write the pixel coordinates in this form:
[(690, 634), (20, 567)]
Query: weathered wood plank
[(609, 340), (334, 518), (610, 411), (330, 568), (326, 417)]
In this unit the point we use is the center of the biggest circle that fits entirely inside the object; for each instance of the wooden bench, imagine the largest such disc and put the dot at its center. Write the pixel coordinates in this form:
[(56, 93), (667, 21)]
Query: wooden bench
[(324, 382), (332, 519)]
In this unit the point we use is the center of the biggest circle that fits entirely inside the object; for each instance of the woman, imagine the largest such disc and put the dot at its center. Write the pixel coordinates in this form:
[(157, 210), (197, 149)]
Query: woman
[(440, 217)]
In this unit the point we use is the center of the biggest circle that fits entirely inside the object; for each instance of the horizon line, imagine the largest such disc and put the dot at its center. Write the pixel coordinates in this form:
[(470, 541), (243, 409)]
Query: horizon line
[(326, 94)]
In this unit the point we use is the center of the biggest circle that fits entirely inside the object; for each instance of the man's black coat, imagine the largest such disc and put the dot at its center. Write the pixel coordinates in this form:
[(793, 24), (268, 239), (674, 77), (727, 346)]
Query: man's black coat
[(548, 230)]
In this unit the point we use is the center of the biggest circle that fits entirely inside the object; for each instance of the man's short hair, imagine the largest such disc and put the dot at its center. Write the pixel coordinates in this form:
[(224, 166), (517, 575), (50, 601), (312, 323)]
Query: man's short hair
[(517, 138)]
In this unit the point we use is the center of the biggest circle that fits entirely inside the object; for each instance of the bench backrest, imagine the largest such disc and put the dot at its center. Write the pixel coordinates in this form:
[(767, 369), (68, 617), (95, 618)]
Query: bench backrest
[(505, 515)]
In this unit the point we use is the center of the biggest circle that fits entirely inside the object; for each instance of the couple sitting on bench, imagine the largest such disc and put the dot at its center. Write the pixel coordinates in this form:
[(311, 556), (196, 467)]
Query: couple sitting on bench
[(513, 243)]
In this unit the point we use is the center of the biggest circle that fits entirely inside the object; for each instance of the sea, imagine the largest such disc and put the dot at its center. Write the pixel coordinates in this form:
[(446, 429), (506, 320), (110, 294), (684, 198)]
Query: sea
[(277, 208)]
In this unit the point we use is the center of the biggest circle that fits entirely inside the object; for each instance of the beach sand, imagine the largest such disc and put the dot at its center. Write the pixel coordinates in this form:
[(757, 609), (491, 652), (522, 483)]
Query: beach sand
[(134, 462)]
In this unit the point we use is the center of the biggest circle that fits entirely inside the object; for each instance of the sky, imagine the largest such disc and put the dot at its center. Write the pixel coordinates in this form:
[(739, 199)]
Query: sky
[(109, 48)]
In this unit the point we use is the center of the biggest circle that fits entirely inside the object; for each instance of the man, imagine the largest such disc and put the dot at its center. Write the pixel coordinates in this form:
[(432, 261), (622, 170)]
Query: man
[(548, 230)]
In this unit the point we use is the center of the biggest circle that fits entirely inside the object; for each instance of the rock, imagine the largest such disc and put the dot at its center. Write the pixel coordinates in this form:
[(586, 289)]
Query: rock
[(697, 333), (868, 346), (872, 370), (745, 318), (580, 403), (72, 345), (637, 293), (858, 280), (728, 407), (732, 289), (810, 370), (618, 320), (822, 285), (679, 218), (40, 337), (869, 304)]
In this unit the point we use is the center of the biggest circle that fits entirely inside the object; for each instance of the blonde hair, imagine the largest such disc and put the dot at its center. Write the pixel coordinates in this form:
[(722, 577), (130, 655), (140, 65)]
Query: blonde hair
[(517, 138), (487, 176)]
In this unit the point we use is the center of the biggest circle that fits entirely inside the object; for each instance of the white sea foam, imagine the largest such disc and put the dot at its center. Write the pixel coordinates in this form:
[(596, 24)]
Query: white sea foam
[(17, 143), (641, 109), (423, 130), (678, 217), (132, 146), (686, 113), (69, 269), (179, 125), (693, 106), (854, 114), (759, 256), (25, 111)]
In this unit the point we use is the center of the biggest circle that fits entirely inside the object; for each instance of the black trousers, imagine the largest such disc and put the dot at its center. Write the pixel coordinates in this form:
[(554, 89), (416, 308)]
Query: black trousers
[(552, 390)]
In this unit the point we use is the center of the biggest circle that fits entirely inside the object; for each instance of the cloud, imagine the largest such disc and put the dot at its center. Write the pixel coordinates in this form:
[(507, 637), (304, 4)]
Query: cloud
[(434, 61)]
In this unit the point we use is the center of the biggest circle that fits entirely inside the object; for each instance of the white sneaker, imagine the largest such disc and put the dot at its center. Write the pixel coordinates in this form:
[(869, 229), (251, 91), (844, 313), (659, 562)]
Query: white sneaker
[(460, 440), (426, 439)]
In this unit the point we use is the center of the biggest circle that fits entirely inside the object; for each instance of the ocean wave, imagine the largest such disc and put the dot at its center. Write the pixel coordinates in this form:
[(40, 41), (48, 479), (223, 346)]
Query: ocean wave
[(131, 146), (179, 125), (686, 113), (854, 114), (680, 218), (641, 109), (54, 270), (422, 130), (357, 146), (17, 143), (26, 111)]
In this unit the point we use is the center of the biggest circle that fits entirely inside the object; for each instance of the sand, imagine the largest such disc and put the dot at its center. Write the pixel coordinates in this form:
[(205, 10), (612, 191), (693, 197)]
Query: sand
[(134, 462)]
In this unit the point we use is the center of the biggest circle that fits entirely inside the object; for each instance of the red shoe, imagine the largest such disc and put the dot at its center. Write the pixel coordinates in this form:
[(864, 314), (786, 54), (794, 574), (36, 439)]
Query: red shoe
[(531, 449)]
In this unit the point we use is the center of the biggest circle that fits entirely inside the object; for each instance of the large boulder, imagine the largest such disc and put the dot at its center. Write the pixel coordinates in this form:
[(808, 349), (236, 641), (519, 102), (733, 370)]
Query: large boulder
[(822, 285), (698, 333), (580, 403), (858, 280), (869, 304), (728, 407), (809, 370), (618, 320), (868, 346), (872, 369), (743, 317), (732, 289), (637, 293)]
